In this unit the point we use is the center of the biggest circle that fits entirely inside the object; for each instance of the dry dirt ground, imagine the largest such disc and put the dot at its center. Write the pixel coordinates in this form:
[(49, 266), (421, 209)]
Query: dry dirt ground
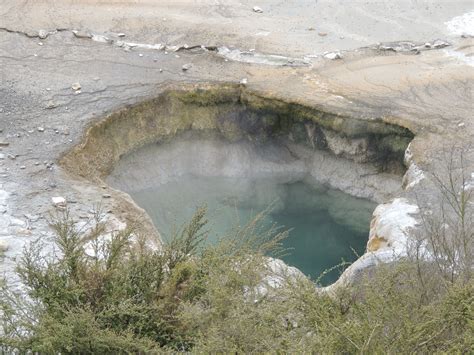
[(122, 52)]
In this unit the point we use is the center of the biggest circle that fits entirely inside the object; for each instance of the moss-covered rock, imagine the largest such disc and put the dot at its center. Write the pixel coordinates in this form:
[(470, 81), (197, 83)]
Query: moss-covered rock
[(231, 111)]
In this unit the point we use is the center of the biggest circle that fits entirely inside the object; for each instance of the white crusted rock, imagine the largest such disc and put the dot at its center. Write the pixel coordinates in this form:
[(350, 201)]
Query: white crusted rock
[(412, 176), (59, 202), (388, 240), (390, 225)]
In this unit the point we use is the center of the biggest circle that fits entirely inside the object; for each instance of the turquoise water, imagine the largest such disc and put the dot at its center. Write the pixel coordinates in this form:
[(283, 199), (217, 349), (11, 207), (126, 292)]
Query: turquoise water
[(327, 226)]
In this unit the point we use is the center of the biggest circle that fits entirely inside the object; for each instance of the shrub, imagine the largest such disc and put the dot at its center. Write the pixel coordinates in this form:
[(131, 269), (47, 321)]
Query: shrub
[(119, 295)]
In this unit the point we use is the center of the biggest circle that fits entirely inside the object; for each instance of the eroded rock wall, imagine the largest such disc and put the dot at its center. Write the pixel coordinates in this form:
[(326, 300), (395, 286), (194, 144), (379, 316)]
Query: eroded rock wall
[(235, 113)]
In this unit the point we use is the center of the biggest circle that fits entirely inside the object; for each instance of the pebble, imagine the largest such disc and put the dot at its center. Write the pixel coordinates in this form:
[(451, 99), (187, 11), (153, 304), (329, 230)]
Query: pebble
[(82, 34), (22, 167), (243, 81), (40, 129), (51, 104), (3, 246), (161, 70), (440, 44), (333, 55), (106, 196), (59, 201), (2, 156), (257, 9), (186, 67), (323, 34), (40, 43), (120, 34), (76, 86), (43, 34), (140, 55)]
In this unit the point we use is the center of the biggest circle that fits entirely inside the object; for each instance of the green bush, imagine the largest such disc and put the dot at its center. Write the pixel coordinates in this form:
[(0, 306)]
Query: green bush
[(131, 298)]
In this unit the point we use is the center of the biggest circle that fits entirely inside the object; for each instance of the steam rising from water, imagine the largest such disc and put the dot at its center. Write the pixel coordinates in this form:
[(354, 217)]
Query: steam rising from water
[(238, 180)]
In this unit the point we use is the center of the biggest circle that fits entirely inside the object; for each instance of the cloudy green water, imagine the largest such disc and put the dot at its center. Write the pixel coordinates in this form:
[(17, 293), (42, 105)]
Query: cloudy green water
[(327, 226)]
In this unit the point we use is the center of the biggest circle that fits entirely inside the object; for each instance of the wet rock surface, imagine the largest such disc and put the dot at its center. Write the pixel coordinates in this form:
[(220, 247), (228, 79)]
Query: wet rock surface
[(379, 78)]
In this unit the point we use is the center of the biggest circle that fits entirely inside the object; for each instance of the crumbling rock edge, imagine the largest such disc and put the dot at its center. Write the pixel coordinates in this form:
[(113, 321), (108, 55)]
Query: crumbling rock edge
[(235, 54)]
